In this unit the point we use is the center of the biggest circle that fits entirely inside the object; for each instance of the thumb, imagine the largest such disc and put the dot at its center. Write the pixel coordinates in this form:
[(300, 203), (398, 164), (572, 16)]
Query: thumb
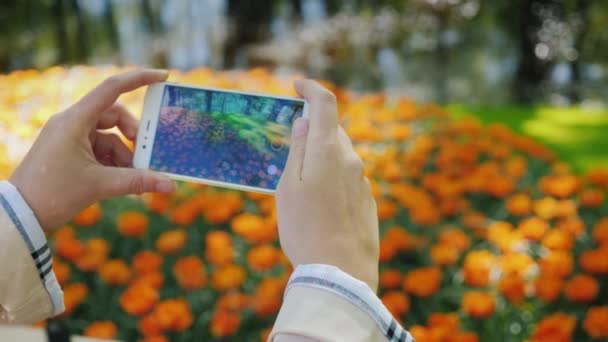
[(120, 181), (295, 160)]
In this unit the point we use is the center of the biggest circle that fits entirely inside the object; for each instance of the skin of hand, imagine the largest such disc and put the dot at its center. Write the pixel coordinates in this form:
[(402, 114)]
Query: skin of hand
[(326, 211), (75, 161)]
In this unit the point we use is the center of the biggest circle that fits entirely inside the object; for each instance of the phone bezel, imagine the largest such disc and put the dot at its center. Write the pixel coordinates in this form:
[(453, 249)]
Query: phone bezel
[(149, 121)]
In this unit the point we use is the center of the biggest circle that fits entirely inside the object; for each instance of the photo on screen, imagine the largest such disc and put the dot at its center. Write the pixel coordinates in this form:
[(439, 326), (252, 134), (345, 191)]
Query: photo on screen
[(223, 136)]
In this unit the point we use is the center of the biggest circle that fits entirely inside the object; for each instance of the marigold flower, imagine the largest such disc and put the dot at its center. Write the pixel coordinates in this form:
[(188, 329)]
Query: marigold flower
[(73, 296), (115, 272), (69, 248), (560, 186), (581, 288), (423, 282), (478, 304), (89, 216), (268, 296), (254, 228), (499, 186), (600, 231), (595, 261), (138, 299), (397, 302), (62, 272), (158, 338), (444, 255), (171, 242), (555, 327), (477, 267), (173, 314), (95, 255), (228, 277), (401, 238), (557, 263), (190, 273), (598, 177), (386, 209), (154, 279), (185, 213), (548, 287), (388, 250), (591, 198), (132, 223), (146, 262), (557, 239), (512, 286), (596, 322), (156, 202), (218, 248), (262, 258), (516, 263), (390, 279), (101, 330), (455, 237), (224, 323), (533, 228), (232, 301)]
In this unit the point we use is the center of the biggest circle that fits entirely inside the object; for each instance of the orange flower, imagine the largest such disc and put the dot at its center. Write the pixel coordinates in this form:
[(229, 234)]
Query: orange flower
[(219, 249), (267, 298), (512, 286), (228, 277), (156, 202), (600, 231), (557, 263), (595, 261), (139, 299), (73, 296), (190, 273), (445, 321), (558, 239), (598, 177), (62, 272), (596, 322), (499, 186), (224, 323), (533, 228), (573, 225), (477, 267), (548, 287), (115, 272), (581, 288), (254, 228), (396, 302), (146, 262), (263, 258), (478, 304), (88, 216), (559, 185), (423, 282), (232, 301), (444, 255), (150, 326), (546, 208), (173, 314), (69, 248), (132, 223), (154, 279), (516, 263), (95, 255), (519, 205), (386, 209), (388, 250), (555, 327), (454, 237), (158, 338), (101, 330), (171, 242), (185, 213), (390, 279), (591, 198)]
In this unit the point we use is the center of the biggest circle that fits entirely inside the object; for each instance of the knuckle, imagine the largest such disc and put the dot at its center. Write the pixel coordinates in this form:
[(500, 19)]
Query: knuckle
[(137, 184)]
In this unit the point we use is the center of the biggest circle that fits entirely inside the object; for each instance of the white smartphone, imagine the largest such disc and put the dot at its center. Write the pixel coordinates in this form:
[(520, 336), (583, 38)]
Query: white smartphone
[(225, 138)]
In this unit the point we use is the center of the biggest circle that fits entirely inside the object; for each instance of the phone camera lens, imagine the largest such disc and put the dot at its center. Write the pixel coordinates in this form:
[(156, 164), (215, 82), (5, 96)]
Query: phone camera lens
[(144, 147)]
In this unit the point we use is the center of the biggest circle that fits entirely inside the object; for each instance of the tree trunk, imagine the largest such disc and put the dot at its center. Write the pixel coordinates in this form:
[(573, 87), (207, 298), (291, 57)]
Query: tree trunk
[(60, 32), (250, 22), (110, 25), (81, 35), (582, 9)]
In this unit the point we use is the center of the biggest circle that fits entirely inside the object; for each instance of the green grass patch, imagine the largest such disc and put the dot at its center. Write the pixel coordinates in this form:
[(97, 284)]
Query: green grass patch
[(578, 135)]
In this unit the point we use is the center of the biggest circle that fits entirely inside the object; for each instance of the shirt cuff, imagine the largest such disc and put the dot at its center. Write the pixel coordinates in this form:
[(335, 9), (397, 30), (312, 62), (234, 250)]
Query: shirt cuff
[(356, 292), (28, 227)]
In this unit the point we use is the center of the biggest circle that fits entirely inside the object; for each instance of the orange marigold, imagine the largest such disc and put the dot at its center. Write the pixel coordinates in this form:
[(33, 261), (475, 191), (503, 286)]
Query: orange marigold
[(218, 248), (73, 296), (95, 255), (62, 272), (101, 330), (150, 326), (557, 263), (595, 261), (423, 282), (171, 242), (600, 231), (132, 223), (174, 314), (386, 209), (390, 279), (232, 301), (555, 327), (512, 286), (396, 302), (444, 255), (156, 202), (596, 322), (401, 238), (115, 272), (185, 213), (190, 273), (591, 198), (548, 287), (455, 237), (158, 338), (154, 279), (254, 228), (228, 277), (262, 258), (224, 323), (519, 205), (89, 216), (477, 267), (478, 304), (146, 262), (268, 296), (533, 228), (138, 299), (69, 248), (581, 288)]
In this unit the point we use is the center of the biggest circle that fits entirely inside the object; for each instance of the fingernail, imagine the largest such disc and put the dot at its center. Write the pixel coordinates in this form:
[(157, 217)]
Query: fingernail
[(165, 186), (300, 127)]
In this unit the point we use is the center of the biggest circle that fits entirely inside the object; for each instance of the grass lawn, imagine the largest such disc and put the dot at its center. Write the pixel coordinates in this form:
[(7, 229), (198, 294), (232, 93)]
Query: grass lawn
[(579, 136)]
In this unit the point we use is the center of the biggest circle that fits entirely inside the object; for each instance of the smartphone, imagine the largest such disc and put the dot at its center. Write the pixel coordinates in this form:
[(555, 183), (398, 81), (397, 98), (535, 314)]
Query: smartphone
[(225, 138)]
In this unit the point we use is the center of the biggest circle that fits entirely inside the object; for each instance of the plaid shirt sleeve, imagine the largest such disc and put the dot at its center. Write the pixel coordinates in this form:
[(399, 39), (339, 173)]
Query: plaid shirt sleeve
[(29, 291)]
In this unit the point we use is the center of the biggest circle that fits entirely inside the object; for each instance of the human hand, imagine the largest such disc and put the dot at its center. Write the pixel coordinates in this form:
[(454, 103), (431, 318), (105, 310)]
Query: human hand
[(74, 162), (326, 211)]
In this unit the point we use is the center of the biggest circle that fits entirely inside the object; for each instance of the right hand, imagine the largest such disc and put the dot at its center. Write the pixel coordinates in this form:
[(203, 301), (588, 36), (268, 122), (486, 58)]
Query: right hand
[(326, 211)]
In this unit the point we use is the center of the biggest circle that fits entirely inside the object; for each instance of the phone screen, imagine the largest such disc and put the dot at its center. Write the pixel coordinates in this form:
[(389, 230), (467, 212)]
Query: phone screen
[(223, 136)]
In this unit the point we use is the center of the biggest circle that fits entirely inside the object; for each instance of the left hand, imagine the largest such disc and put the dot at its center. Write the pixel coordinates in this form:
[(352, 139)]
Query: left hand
[(75, 162)]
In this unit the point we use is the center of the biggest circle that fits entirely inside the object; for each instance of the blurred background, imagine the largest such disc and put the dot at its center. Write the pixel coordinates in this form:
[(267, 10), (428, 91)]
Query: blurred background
[(502, 60)]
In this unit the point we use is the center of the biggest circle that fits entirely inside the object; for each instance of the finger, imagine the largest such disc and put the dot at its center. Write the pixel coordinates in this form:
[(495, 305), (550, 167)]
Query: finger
[(297, 148), (117, 181), (105, 94), (344, 139), (119, 116), (323, 111), (109, 144)]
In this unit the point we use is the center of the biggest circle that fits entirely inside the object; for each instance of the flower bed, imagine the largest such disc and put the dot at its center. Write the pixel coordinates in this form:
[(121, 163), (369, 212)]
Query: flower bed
[(485, 236)]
